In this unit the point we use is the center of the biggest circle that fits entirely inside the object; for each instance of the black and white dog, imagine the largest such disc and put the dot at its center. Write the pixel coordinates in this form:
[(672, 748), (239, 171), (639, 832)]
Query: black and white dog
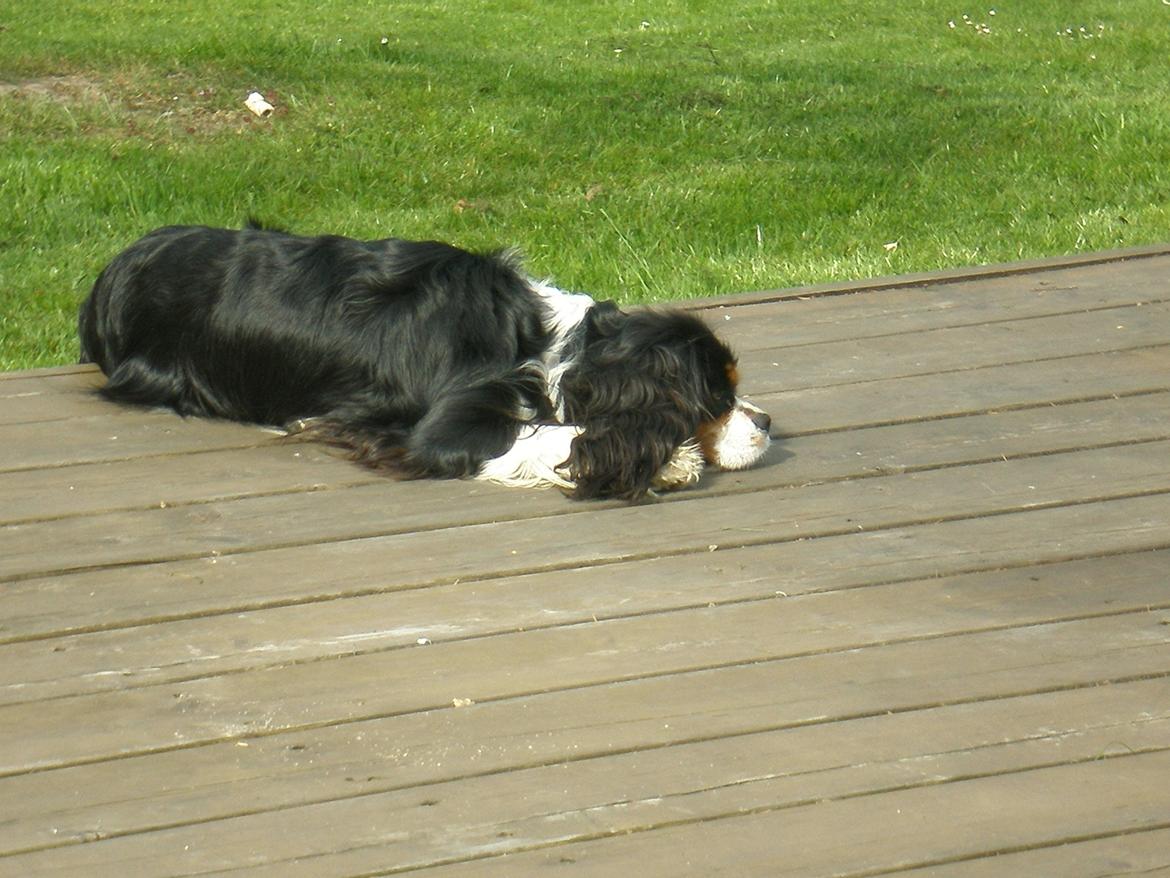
[(419, 358)]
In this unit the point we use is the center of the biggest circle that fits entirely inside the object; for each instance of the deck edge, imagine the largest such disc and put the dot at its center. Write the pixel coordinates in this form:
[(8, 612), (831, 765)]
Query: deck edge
[(825, 290), (929, 278)]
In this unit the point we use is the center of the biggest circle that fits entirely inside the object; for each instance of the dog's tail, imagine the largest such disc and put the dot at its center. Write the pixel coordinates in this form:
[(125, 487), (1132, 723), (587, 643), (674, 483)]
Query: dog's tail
[(380, 449)]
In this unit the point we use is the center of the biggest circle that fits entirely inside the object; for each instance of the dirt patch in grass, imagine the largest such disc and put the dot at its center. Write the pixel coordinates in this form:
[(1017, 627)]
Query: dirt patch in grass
[(66, 89), (154, 110)]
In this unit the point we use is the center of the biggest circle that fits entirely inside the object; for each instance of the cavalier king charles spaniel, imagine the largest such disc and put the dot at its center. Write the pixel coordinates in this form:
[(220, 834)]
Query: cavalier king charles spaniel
[(420, 359)]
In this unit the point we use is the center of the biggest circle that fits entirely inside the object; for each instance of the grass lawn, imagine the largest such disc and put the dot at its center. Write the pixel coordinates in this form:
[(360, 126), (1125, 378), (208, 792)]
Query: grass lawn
[(637, 151)]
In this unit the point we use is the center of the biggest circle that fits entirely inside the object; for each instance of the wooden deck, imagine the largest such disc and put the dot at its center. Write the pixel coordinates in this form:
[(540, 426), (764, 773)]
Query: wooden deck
[(931, 636)]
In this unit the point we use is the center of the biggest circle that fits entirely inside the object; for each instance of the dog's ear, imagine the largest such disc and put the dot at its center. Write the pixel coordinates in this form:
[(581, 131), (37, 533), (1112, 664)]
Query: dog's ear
[(620, 455), (640, 359), (639, 392)]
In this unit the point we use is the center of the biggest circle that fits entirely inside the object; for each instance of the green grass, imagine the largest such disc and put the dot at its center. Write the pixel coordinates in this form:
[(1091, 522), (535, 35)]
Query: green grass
[(637, 151)]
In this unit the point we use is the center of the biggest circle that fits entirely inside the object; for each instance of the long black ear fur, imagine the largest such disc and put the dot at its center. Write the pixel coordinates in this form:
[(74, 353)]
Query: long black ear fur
[(619, 455), (638, 395)]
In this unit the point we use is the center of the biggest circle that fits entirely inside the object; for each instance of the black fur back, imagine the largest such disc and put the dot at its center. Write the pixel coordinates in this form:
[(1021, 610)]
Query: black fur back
[(373, 340)]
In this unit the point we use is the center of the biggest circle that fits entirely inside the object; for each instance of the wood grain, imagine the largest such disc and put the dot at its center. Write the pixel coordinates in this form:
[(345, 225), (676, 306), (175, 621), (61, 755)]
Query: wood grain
[(929, 636)]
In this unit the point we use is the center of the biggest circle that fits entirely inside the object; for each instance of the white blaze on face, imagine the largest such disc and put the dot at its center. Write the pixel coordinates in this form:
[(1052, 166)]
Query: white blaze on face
[(741, 438)]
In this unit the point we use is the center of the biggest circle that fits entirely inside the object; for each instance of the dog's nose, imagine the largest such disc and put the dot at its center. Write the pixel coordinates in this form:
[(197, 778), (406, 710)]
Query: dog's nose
[(761, 420)]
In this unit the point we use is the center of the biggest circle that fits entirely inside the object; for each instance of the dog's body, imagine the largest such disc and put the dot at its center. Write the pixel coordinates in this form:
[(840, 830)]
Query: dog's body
[(419, 358)]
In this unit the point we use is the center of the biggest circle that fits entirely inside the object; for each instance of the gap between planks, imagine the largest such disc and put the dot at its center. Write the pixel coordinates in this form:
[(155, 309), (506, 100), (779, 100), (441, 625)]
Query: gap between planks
[(21, 603), (875, 788), (870, 505), (836, 782), (1139, 852), (483, 671), (897, 653), (798, 609), (914, 828)]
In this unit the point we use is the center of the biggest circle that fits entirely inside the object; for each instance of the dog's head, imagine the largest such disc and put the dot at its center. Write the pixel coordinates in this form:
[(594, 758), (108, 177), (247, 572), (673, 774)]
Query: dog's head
[(646, 384)]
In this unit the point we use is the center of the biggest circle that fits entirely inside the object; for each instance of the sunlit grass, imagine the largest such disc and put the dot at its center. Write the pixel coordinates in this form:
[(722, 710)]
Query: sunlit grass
[(637, 151)]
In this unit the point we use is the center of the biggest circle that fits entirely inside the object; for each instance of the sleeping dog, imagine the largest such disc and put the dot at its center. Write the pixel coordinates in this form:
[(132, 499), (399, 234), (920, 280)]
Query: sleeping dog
[(419, 358)]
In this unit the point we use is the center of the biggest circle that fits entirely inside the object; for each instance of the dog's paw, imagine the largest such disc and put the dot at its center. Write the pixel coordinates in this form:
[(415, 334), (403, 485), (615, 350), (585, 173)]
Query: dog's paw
[(538, 459), (685, 468)]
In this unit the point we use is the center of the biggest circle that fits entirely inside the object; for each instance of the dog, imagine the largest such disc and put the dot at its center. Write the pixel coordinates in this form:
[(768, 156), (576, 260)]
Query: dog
[(420, 359)]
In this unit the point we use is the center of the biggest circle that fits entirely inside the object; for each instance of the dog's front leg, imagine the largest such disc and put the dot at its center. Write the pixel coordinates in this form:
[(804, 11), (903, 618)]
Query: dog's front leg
[(684, 468), (537, 459)]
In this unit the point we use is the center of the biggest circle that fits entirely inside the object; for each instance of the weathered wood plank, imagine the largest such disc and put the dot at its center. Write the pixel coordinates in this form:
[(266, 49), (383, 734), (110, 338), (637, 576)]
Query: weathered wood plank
[(119, 598), (707, 781), (89, 489), (798, 319), (51, 396), (41, 734), (930, 351), (898, 830), (1049, 382), (72, 381), (951, 441), (86, 489), (413, 754), (344, 521), (1120, 266), (857, 310), (203, 646), (555, 804), (877, 349), (894, 618), (40, 610), (484, 738), (49, 372), (542, 804), (120, 434), (1144, 853), (877, 354)]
